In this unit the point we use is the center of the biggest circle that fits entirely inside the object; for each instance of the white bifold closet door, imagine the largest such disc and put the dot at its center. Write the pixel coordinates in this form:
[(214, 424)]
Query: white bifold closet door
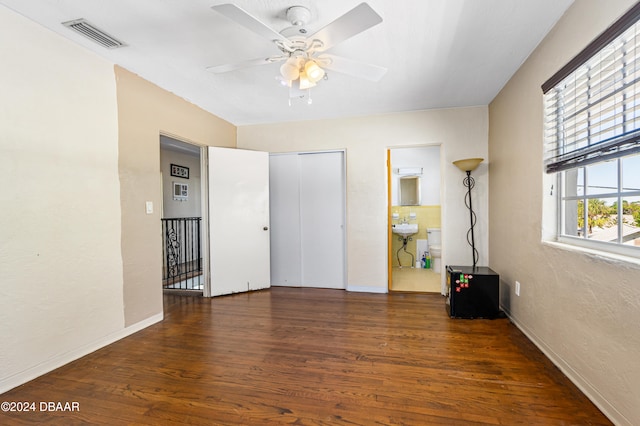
[(307, 212)]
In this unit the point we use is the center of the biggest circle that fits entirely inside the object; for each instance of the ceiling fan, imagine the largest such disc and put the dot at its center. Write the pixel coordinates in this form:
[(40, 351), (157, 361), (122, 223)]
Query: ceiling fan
[(304, 54)]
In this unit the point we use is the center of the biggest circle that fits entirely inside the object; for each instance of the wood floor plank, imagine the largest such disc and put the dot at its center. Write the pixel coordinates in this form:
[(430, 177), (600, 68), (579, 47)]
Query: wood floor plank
[(312, 356)]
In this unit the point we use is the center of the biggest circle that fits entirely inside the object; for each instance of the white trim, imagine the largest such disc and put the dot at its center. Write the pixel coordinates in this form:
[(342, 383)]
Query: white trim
[(579, 245), (323, 151), (582, 383), (367, 289), (65, 358), (204, 213)]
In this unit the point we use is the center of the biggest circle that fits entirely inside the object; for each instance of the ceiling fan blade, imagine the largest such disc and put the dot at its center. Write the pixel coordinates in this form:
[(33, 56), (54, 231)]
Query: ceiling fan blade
[(248, 21), (219, 69), (358, 19), (350, 67)]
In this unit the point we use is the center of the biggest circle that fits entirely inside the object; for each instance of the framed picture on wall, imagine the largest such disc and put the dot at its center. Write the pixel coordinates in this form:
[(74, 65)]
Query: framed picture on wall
[(179, 171), (180, 191)]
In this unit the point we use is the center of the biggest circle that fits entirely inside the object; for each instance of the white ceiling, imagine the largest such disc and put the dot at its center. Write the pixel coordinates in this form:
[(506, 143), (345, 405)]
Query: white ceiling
[(439, 53)]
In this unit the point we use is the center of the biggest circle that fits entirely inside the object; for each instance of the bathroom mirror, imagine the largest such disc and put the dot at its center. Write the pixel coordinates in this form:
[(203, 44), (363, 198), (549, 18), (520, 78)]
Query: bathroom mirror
[(410, 191)]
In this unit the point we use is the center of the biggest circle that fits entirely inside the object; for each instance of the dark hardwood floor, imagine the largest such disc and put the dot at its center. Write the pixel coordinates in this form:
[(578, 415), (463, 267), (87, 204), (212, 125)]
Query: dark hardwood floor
[(312, 356)]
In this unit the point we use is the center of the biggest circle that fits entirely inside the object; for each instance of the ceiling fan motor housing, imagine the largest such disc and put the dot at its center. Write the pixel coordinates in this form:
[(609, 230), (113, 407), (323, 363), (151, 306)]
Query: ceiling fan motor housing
[(298, 15)]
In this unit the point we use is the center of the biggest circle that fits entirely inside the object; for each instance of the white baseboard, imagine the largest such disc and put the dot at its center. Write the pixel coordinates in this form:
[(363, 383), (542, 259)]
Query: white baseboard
[(31, 373), (367, 289), (590, 392)]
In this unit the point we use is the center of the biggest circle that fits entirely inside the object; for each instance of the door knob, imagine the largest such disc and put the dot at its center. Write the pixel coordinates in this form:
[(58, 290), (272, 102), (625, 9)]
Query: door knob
[(266, 228)]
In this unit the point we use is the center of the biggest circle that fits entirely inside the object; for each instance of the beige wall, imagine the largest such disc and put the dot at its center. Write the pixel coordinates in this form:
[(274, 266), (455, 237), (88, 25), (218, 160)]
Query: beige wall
[(462, 133), (81, 261), (60, 261), (144, 112), (582, 310)]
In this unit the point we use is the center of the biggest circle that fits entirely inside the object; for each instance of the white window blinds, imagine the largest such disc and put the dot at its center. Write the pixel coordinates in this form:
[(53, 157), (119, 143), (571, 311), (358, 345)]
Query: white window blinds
[(592, 106)]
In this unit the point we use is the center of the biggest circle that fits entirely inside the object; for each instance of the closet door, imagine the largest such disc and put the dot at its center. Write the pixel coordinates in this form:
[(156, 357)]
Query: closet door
[(307, 194), (322, 217), (284, 201)]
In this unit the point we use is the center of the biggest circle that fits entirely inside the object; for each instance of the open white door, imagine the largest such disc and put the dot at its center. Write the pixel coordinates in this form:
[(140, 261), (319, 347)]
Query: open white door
[(238, 220)]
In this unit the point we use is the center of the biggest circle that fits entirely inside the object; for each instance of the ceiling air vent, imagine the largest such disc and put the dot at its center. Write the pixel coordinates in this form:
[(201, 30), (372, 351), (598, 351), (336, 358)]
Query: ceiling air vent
[(89, 31)]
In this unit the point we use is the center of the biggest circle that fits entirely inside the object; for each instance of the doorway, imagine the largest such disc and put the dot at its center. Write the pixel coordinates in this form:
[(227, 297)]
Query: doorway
[(181, 216), (215, 216), (414, 219)]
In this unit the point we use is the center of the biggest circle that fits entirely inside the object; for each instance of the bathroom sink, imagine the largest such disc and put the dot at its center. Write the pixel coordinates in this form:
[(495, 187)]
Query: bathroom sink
[(405, 229)]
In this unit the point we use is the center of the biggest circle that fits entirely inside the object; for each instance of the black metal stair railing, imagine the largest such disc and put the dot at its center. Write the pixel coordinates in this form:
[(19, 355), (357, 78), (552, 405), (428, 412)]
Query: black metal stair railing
[(182, 254)]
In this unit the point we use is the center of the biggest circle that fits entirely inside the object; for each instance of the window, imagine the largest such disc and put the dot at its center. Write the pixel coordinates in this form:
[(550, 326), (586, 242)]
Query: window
[(592, 140)]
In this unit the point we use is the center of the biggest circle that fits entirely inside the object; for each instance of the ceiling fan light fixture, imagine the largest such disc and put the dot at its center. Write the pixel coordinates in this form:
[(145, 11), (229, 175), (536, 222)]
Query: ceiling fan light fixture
[(313, 71), (304, 62), (305, 81), (290, 70)]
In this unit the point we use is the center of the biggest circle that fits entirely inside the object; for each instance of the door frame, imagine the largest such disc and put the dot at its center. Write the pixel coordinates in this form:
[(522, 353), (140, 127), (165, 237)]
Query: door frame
[(390, 208), (204, 200), (389, 233), (204, 230)]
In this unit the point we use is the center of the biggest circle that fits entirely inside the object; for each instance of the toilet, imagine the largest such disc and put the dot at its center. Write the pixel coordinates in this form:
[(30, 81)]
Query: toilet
[(435, 248)]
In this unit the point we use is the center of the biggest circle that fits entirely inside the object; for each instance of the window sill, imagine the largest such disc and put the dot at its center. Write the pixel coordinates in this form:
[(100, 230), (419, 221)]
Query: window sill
[(594, 253)]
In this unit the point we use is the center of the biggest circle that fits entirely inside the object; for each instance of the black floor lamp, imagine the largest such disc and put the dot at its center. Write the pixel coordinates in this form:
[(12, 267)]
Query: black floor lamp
[(468, 165)]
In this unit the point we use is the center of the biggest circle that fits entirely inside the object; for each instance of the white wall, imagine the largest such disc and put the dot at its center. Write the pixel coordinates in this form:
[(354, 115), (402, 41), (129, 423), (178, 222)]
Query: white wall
[(461, 132), (191, 206), (61, 285), (582, 310), (427, 157)]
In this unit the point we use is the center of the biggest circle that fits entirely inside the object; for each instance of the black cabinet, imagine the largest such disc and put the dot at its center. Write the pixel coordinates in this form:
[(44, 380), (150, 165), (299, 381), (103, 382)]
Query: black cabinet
[(473, 292)]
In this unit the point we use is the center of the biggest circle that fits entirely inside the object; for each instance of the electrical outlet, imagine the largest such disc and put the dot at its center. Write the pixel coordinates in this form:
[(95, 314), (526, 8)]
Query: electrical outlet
[(517, 288)]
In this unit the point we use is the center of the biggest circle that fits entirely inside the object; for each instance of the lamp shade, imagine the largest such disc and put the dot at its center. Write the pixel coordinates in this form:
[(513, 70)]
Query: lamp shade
[(313, 71), (468, 164), (305, 82), (290, 69)]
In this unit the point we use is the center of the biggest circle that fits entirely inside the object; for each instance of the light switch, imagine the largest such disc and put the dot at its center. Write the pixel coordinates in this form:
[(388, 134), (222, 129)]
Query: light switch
[(149, 207)]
